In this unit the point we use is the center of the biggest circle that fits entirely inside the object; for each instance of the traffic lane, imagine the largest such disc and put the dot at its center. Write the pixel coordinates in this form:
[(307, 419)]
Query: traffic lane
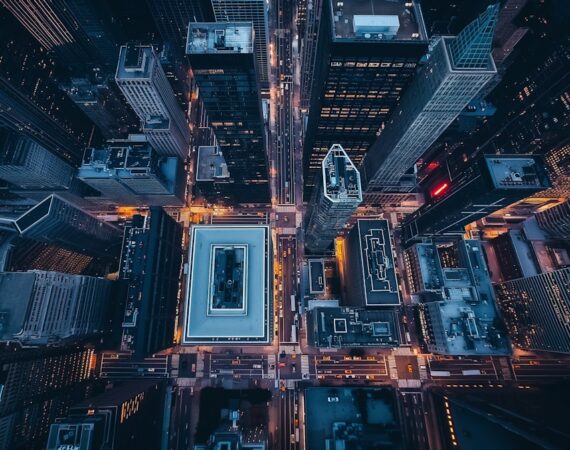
[(360, 369), (288, 255), (414, 420), (540, 368), (237, 365)]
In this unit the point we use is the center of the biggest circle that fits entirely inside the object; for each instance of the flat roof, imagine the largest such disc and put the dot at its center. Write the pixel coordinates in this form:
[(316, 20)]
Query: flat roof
[(378, 271), (378, 20), (515, 172), (135, 62), (219, 38), (211, 164), (251, 324), (339, 327), (317, 276)]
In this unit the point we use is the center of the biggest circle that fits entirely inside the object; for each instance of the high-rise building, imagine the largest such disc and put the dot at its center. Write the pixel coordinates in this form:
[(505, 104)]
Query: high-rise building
[(309, 38), (556, 220), (173, 16), (57, 221), (78, 31), (143, 82), (223, 64), (39, 385), (255, 12), (335, 199), (536, 310), (130, 172), (26, 164), (151, 262), (126, 416), (366, 55), (456, 71), (459, 196), (31, 102), (98, 99), (49, 307)]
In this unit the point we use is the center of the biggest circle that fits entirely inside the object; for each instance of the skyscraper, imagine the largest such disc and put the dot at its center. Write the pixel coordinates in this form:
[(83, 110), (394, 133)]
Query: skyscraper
[(26, 164), (253, 11), (126, 416), (130, 172), (57, 221), (39, 385), (456, 71), (31, 102), (536, 310), (223, 64), (366, 55), (151, 262), (143, 82), (556, 220), (78, 31), (335, 199), (49, 307), (172, 17), (309, 38), (459, 196)]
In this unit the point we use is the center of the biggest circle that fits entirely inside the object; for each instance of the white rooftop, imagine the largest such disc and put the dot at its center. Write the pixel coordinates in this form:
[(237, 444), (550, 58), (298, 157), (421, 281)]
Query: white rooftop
[(252, 323)]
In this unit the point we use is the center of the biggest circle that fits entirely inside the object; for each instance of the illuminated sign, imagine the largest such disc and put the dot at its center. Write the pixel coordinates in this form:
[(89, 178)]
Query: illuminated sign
[(442, 188)]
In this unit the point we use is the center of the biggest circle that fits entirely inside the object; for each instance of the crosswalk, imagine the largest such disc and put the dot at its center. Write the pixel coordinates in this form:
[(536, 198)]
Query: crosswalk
[(392, 368)]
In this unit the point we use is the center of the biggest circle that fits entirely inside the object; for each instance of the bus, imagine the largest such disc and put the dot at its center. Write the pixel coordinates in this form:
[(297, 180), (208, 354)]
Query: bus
[(293, 303)]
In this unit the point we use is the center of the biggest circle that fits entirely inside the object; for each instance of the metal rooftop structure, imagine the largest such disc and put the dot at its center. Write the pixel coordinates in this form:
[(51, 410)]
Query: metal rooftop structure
[(377, 20), (135, 61), (518, 172), (211, 164), (341, 180), (219, 37)]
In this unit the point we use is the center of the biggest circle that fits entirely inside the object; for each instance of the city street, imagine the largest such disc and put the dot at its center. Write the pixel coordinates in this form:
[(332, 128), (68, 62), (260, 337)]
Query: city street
[(288, 420), (287, 290), (414, 420), (371, 368)]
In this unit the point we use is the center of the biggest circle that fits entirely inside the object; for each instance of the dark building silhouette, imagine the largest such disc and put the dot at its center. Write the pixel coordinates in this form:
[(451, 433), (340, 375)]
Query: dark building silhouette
[(31, 102), (127, 416), (37, 386), (536, 310), (150, 266), (223, 64)]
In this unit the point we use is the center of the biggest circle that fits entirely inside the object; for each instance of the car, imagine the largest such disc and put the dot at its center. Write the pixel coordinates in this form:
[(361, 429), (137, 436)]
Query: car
[(281, 364), (410, 368), (332, 399), (348, 371), (235, 362)]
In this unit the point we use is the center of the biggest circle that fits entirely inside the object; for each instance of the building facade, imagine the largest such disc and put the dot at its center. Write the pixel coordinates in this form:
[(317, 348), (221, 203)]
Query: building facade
[(144, 84), (254, 11), (26, 164), (457, 69), (462, 195), (151, 262), (39, 385), (58, 221), (366, 55), (556, 220), (335, 199), (126, 416), (130, 172), (223, 64), (536, 310), (50, 307)]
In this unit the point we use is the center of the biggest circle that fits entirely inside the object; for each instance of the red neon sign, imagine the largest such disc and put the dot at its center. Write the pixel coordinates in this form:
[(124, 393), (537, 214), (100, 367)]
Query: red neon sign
[(440, 189)]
